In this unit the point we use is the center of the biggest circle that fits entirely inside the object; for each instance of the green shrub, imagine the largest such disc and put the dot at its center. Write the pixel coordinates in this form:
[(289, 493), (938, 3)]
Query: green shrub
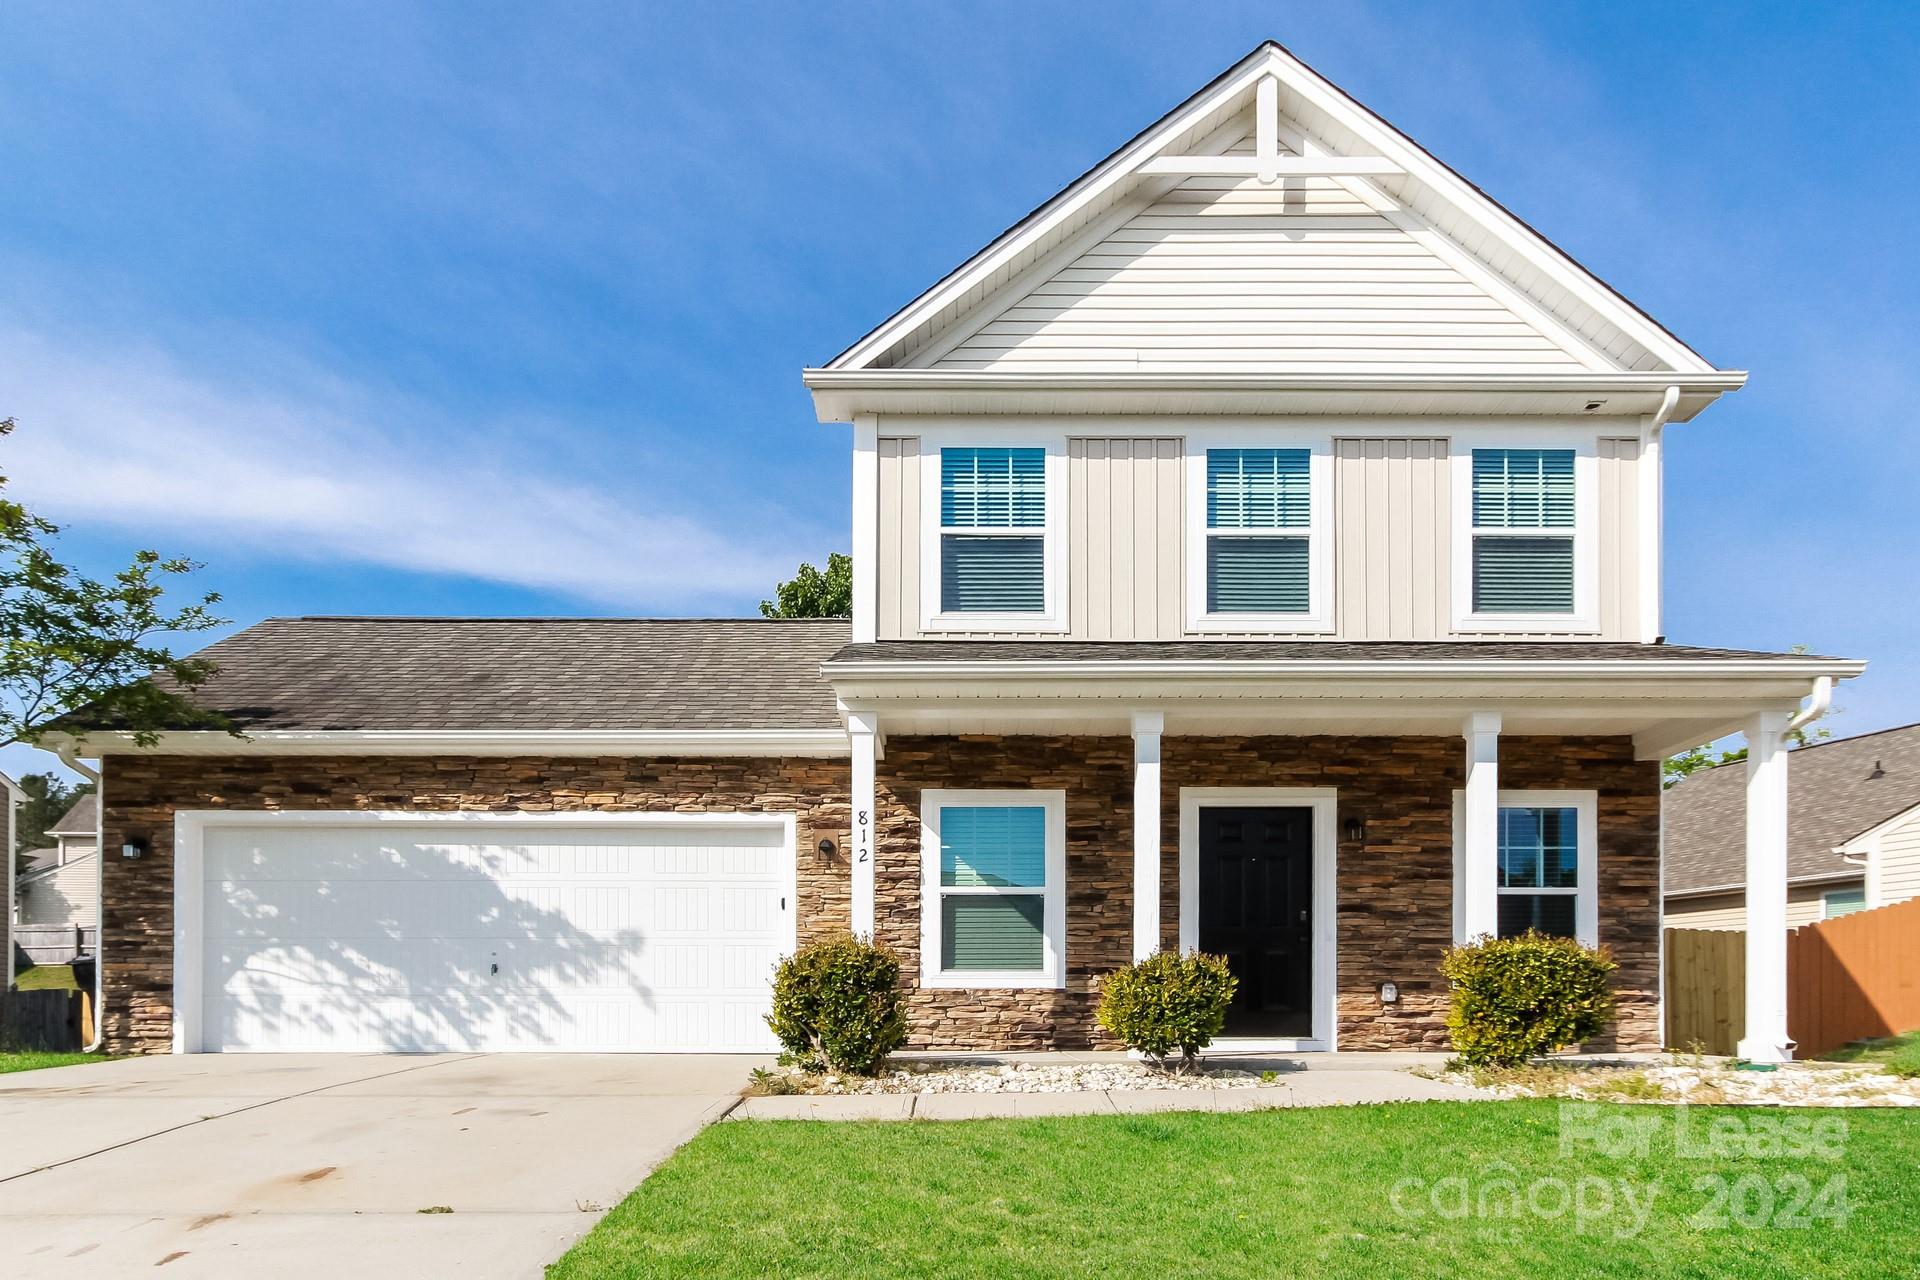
[(1167, 1002), (1517, 998), (837, 1006)]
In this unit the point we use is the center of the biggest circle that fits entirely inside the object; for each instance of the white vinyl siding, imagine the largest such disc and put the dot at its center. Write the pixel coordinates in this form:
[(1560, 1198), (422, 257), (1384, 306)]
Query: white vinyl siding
[(66, 894), (1729, 910), (1898, 856), (1233, 274), (993, 888)]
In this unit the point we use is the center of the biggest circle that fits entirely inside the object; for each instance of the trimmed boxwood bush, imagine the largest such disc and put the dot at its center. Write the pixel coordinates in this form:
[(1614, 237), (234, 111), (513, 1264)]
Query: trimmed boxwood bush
[(837, 1006), (1517, 998), (1167, 1002)]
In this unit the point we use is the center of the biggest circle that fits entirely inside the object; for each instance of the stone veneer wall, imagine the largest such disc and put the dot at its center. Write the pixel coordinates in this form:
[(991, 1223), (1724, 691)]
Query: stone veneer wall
[(142, 792), (1395, 885)]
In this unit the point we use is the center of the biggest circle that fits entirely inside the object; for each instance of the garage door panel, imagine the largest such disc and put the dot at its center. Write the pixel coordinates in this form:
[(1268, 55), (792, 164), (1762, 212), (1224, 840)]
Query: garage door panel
[(362, 938)]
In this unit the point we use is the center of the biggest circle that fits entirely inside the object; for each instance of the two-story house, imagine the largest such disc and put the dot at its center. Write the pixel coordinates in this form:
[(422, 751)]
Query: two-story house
[(1256, 548)]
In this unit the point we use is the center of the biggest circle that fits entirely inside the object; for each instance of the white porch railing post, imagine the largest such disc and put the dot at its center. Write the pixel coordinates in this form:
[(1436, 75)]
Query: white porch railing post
[(862, 729), (1766, 1035), (1147, 727), (1480, 828)]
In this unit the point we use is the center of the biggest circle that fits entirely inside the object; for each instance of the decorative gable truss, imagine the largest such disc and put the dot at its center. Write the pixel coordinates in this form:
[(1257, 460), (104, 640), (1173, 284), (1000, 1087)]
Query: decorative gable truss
[(1274, 228)]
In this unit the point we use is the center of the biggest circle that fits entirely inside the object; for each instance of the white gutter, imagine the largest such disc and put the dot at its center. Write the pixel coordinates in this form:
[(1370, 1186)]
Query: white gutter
[(817, 379), (1826, 670), (66, 751), (491, 742), (1819, 705)]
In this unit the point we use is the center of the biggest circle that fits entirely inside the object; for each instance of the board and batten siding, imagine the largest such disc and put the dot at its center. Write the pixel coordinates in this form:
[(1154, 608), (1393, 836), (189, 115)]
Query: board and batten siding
[(1234, 274), (1392, 526)]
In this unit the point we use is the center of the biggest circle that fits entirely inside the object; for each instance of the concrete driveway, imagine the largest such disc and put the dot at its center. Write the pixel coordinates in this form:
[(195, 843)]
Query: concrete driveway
[(295, 1165)]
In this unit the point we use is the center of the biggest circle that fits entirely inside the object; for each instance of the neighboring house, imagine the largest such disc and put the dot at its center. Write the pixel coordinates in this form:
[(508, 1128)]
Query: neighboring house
[(1853, 834), (61, 885), (1256, 548)]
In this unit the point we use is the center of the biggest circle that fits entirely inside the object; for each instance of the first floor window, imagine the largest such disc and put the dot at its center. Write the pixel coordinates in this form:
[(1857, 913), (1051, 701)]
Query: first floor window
[(1546, 865), (1539, 869), (993, 901)]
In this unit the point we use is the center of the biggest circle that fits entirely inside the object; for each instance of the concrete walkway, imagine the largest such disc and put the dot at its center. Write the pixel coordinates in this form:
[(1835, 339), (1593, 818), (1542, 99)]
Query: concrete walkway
[(327, 1165), (1323, 1080)]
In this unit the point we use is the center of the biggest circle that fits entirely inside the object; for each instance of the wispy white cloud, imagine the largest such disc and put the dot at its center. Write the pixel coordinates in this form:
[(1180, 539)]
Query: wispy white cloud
[(292, 463)]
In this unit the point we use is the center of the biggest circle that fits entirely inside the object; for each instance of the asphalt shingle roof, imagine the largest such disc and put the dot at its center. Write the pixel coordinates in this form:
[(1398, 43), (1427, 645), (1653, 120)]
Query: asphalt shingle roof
[(523, 673), (81, 819), (1835, 791)]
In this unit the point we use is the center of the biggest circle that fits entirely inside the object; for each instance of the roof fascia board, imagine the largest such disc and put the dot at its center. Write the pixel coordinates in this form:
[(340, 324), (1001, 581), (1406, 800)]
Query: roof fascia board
[(1740, 886), (1421, 165), (653, 742), (1311, 668), (1879, 828), (1095, 183)]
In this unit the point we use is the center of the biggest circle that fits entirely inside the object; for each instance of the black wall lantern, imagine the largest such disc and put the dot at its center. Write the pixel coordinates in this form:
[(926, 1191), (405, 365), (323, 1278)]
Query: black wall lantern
[(1356, 830)]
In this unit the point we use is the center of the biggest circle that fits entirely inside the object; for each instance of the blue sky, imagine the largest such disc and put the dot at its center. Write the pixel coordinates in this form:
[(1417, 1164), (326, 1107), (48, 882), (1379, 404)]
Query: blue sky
[(498, 308)]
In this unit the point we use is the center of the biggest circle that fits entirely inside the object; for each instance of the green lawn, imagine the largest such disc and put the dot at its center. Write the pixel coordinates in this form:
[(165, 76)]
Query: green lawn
[(1359, 1192), (46, 977), (10, 1062), (1899, 1054)]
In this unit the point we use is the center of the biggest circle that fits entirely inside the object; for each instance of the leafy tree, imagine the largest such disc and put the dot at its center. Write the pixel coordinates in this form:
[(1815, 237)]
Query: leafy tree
[(69, 641), (813, 594), (48, 798)]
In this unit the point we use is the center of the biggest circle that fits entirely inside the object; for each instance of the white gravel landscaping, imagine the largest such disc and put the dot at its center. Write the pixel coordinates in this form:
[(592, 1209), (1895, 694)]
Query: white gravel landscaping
[(1021, 1077), (1703, 1080)]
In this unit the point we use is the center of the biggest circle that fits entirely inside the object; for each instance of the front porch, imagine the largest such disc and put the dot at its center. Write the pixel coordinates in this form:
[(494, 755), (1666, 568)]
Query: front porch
[(1384, 807)]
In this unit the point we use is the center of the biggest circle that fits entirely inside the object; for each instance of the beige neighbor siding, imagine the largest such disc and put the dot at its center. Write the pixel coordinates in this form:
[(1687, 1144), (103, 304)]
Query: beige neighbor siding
[(1231, 273), (1729, 910), (68, 894), (1900, 862), (1391, 532), (1125, 507)]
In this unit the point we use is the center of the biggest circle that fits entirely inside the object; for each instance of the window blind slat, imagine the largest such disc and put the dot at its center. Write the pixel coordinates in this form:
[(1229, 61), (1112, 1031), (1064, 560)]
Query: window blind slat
[(1258, 489), (1004, 845), (993, 488), (992, 575), (1257, 575), (1523, 488), (1523, 575), (992, 931)]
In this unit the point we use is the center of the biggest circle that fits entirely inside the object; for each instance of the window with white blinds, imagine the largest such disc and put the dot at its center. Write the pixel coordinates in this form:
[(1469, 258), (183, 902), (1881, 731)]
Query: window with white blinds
[(1524, 518), (993, 893), (993, 516), (1259, 531)]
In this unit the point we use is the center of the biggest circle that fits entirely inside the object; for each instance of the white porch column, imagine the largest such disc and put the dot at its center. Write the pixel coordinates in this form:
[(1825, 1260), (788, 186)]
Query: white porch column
[(862, 728), (1147, 727), (1766, 1036), (1480, 828)]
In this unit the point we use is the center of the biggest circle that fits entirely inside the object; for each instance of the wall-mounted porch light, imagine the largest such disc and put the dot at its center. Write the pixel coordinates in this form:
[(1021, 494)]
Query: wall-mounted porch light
[(135, 847), (1356, 830), (826, 847), (1389, 993)]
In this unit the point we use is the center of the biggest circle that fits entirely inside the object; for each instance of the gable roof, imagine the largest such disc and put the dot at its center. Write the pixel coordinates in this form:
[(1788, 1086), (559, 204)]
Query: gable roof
[(1836, 790), (553, 675), (80, 820), (1545, 302)]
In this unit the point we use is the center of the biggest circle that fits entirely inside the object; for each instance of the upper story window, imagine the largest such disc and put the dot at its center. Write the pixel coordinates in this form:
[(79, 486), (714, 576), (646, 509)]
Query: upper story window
[(1524, 519), (1259, 556), (1259, 509), (993, 517)]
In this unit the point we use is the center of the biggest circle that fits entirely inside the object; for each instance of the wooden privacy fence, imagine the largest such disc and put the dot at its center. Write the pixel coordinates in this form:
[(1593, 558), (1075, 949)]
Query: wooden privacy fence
[(53, 1021), (54, 943), (1855, 977), (1706, 989)]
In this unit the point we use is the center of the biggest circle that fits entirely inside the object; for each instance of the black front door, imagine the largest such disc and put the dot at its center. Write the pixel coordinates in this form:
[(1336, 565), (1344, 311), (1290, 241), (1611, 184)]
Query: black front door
[(1256, 909)]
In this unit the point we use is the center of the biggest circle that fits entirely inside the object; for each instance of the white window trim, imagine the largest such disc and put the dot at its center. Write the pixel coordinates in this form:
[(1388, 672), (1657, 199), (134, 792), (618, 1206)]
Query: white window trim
[(1052, 617), (1318, 619), (1053, 972), (1325, 803), (1585, 617), (1586, 895)]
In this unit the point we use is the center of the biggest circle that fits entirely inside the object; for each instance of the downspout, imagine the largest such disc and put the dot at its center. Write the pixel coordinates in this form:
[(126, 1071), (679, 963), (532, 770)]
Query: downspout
[(67, 757), (1653, 522), (1817, 706), (14, 797)]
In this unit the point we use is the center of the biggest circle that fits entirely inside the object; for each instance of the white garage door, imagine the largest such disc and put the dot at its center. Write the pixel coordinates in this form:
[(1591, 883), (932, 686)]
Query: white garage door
[(403, 934)]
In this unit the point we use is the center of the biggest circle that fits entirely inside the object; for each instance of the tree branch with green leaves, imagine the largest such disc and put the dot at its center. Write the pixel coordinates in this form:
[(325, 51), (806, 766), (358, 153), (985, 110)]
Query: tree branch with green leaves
[(69, 641)]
